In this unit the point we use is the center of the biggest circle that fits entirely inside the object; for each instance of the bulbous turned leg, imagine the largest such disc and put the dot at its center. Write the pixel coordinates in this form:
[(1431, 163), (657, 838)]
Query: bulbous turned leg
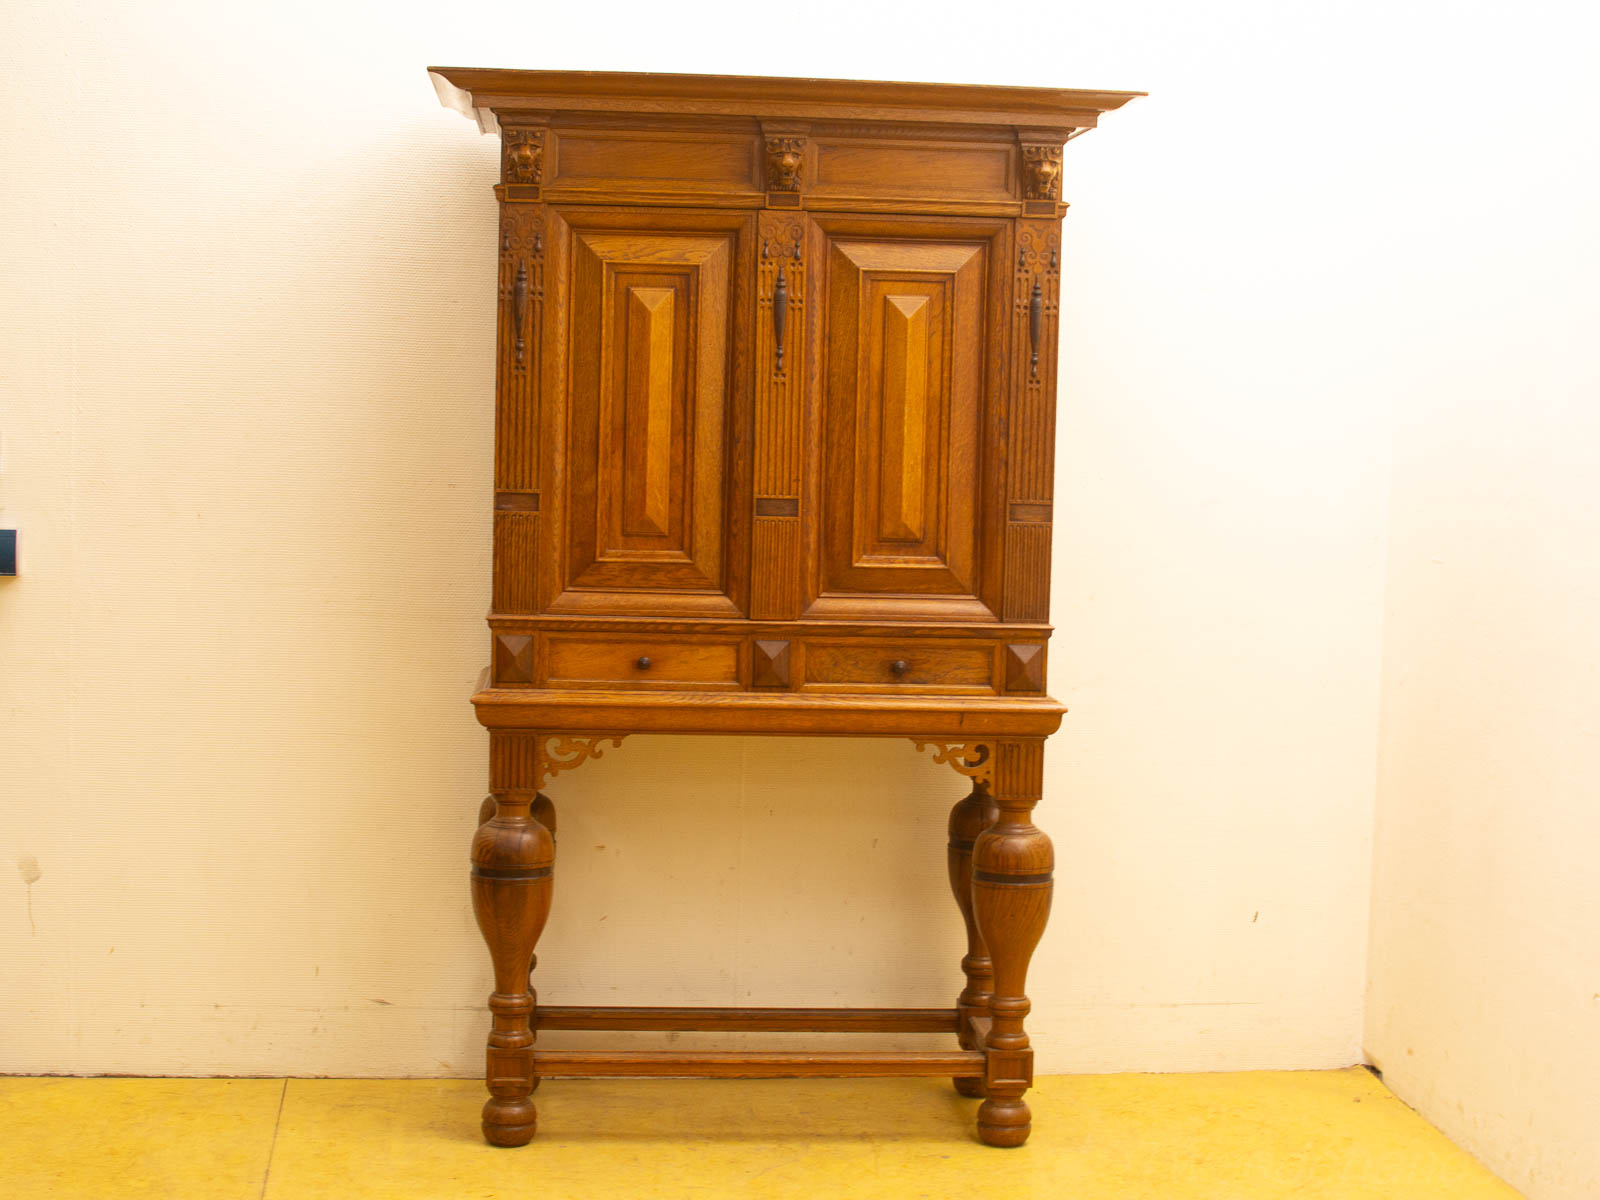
[(513, 858), (969, 818), (1012, 865), (543, 812)]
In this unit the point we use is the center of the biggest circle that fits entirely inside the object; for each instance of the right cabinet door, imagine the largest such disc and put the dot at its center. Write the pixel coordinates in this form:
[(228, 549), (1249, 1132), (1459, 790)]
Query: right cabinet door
[(907, 477)]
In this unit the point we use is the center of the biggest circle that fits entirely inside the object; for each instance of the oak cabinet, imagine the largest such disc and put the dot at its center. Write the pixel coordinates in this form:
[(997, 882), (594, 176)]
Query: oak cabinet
[(775, 403)]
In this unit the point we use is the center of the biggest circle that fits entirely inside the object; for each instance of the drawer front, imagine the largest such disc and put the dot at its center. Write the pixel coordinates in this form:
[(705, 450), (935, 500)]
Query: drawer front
[(922, 666), (587, 662)]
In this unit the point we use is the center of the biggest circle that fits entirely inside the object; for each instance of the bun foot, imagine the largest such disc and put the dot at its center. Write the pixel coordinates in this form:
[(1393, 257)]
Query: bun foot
[(509, 1122), (971, 1086), (1004, 1122)]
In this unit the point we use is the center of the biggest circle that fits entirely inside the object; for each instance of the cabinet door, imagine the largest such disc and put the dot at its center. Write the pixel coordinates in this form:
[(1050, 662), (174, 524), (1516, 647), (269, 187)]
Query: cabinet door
[(653, 307), (908, 471)]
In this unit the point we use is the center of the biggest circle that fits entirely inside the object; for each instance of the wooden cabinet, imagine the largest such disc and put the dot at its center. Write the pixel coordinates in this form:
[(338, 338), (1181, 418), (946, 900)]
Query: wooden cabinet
[(775, 421)]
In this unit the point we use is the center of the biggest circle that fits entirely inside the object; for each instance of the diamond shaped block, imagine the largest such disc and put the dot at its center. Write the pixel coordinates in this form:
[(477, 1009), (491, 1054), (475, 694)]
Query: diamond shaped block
[(513, 659), (770, 665), (1025, 667)]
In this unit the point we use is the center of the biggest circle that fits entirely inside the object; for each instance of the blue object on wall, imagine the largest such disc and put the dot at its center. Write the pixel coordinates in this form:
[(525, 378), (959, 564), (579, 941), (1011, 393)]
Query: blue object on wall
[(8, 551)]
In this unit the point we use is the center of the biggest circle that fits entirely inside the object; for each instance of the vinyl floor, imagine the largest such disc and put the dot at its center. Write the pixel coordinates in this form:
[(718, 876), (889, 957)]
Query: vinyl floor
[(1308, 1135)]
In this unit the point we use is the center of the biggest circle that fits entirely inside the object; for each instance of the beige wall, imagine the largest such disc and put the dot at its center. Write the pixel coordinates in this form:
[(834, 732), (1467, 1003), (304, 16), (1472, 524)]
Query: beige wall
[(245, 434), (247, 441), (246, 438), (1484, 1004)]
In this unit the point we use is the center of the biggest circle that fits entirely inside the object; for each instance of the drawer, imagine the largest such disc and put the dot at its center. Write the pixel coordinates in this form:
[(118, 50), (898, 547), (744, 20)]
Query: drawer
[(600, 662), (930, 666)]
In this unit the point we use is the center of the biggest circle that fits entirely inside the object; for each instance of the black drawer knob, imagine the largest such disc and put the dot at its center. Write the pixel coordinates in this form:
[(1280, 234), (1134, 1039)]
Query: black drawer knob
[(644, 662), (899, 666)]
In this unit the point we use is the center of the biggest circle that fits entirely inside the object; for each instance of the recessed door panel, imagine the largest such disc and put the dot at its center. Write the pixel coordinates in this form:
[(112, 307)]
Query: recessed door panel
[(651, 400), (907, 398), (907, 438), (650, 404)]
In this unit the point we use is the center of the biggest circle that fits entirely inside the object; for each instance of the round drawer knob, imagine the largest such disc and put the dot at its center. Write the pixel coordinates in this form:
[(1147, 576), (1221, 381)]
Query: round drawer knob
[(644, 662), (899, 667)]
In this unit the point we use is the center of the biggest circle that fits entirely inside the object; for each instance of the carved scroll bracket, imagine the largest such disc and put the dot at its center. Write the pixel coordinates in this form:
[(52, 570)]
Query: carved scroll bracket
[(561, 752), (972, 759)]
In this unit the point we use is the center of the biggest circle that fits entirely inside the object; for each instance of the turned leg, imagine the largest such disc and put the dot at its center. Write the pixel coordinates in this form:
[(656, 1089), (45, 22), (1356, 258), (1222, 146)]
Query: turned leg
[(512, 860), (969, 818), (1012, 863), (543, 812)]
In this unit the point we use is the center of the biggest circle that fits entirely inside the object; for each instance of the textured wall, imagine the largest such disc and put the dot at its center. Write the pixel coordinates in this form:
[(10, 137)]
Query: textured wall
[(246, 437), (1484, 1007)]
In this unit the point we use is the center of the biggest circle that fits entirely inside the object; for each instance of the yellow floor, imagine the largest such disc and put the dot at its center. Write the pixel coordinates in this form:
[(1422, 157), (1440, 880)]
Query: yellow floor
[(1334, 1134)]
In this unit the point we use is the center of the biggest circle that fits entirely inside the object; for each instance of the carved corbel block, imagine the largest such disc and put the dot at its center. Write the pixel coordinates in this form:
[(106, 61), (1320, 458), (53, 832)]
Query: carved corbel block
[(786, 158), (784, 163), (522, 156), (1041, 172)]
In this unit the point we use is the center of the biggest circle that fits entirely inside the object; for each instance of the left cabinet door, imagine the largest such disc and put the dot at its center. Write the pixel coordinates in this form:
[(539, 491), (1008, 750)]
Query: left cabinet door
[(647, 329)]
